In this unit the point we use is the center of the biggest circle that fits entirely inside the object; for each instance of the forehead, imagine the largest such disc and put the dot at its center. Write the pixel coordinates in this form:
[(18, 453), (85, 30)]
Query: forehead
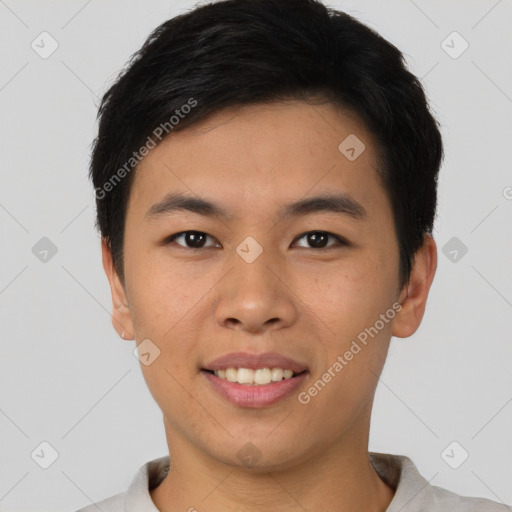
[(264, 154)]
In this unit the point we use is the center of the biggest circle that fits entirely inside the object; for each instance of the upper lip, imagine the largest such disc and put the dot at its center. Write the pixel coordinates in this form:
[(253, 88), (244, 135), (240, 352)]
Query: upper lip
[(255, 361)]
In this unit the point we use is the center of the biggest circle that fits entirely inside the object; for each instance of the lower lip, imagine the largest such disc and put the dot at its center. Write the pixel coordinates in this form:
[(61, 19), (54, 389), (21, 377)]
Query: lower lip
[(255, 396)]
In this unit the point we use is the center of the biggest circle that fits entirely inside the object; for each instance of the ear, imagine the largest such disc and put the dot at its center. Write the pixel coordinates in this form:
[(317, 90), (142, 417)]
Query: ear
[(121, 316), (413, 295)]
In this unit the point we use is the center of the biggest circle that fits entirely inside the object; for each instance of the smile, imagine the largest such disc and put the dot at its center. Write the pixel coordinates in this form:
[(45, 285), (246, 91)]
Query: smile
[(250, 394), (250, 377)]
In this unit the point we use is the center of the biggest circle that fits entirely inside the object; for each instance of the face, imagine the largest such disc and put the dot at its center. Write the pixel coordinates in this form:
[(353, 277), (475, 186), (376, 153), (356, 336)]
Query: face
[(259, 283)]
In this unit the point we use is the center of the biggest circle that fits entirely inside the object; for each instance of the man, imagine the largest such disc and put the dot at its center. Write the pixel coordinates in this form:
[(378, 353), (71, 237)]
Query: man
[(265, 174)]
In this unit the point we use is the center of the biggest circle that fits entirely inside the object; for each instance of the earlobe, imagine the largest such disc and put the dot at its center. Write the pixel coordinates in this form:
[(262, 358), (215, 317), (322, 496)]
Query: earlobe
[(413, 296), (121, 315)]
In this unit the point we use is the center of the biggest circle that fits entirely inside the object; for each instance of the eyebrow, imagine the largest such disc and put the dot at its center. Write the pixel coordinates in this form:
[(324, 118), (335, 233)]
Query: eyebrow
[(336, 203)]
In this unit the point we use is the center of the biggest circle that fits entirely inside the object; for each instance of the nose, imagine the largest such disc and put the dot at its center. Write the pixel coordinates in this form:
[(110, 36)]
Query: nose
[(255, 297)]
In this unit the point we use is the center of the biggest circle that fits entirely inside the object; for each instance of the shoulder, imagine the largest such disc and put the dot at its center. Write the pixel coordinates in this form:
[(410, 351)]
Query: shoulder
[(442, 500), (413, 493), (115, 503), (137, 496)]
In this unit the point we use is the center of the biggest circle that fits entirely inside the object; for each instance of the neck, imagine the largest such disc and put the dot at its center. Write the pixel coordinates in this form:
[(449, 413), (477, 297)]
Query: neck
[(339, 477)]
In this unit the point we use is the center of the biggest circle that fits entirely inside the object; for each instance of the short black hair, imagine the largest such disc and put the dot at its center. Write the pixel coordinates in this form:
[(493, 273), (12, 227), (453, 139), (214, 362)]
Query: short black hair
[(242, 52)]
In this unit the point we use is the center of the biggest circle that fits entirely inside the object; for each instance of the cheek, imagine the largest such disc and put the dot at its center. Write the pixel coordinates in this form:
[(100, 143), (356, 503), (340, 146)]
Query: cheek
[(165, 308), (163, 311), (350, 302), (350, 291), (161, 293)]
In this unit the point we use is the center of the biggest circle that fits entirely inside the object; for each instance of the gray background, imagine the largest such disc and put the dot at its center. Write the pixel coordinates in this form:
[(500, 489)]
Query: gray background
[(69, 380)]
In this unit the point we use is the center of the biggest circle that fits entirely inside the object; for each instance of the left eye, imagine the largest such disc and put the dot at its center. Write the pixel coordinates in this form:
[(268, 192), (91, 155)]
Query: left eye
[(318, 239), (196, 239)]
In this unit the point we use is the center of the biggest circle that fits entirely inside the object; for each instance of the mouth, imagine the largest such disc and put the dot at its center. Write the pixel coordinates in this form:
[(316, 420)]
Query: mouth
[(254, 380), (257, 377)]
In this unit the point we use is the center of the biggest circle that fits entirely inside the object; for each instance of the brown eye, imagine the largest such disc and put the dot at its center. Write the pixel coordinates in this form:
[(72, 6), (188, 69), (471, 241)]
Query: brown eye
[(319, 239), (191, 239)]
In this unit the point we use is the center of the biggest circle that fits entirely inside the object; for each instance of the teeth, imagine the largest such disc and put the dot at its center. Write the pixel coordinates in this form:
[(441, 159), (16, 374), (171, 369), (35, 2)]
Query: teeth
[(259, 377), (231, 374), (277, 374), (262, 376), (245, 376)]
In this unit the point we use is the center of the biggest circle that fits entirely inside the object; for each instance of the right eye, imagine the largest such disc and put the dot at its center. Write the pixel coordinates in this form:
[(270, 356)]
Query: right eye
[(192, 239)]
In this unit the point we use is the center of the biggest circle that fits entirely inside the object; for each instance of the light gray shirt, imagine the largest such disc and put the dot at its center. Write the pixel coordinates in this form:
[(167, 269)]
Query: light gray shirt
[(412, 492)]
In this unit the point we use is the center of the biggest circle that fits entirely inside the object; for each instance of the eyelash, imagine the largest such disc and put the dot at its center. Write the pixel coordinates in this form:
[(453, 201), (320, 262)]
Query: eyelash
[(341, 242)]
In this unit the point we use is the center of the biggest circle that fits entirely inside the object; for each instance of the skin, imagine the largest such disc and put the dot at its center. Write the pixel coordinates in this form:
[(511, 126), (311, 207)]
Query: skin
[(296, 299)]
